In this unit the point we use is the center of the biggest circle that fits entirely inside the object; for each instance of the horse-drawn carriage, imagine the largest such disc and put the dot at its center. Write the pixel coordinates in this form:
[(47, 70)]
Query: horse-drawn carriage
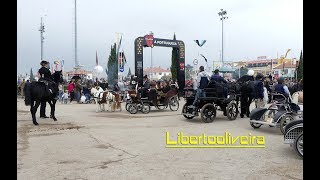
[(281, 112), (135, 102), (207, 105), (294, 136)]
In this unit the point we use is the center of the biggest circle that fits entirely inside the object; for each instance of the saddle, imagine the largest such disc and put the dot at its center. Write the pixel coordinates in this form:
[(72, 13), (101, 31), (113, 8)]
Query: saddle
[(48, 84)]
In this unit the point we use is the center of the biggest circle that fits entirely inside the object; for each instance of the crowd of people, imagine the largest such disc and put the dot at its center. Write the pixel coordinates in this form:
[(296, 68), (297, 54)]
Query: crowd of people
[(77, 88), (263, 86)]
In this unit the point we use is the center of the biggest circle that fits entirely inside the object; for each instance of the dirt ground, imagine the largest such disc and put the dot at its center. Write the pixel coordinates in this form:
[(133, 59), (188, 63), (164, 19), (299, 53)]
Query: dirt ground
[(84, 144)]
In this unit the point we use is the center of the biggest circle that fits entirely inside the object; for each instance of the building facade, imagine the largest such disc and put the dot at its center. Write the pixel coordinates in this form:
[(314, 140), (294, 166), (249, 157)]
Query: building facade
[(156, 73)]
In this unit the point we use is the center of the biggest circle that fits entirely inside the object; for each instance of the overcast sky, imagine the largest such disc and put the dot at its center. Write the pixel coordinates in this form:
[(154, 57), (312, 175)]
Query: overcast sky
[(253, 28)]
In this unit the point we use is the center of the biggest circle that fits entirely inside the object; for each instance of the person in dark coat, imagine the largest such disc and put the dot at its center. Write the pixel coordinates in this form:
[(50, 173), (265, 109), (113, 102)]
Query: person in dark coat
[(221, 81), (145, 86), (282, 88), (258, 91), (45, 76), (44, 72), (246, 83)]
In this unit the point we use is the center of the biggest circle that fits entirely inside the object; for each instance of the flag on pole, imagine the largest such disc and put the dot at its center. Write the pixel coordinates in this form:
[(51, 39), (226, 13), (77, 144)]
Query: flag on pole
[(62, 63), (119, 45), (120, 59), (200, 43)]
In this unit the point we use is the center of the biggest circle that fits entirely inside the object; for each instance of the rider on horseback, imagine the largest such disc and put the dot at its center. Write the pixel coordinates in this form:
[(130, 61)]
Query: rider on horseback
[(46, 77)]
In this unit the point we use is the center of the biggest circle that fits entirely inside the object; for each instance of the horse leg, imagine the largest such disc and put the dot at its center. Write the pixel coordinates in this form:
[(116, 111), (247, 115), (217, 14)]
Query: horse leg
[(53, 106), (120, 106), (113, 106), (242, 105), (33, 110), (248, 106), (98, 107)]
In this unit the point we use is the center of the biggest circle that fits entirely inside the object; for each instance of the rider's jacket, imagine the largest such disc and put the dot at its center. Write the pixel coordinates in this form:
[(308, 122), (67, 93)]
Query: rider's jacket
[(45, 73), (258, 89), (279, 88), (218, 78)]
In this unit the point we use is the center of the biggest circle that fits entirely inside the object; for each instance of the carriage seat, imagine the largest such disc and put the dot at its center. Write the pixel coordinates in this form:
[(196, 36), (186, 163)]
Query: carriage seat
[(214, 89), (279, 97)]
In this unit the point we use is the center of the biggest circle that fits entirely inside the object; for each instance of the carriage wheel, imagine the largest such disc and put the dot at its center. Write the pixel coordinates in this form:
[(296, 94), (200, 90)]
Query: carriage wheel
[(232, 111), (127, 105), (184, 110), (133, 109), (174, 104), (208, 113), (298, 144), (145, 108), (255, 125), (284, 121)]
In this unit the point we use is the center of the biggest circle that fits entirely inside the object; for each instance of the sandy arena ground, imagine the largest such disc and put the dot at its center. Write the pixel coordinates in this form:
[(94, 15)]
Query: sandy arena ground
[(84, 144)]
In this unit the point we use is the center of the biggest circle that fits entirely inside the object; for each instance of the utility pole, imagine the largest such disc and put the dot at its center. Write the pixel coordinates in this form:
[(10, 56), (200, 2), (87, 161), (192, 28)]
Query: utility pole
[(41, 38), (77, 63)]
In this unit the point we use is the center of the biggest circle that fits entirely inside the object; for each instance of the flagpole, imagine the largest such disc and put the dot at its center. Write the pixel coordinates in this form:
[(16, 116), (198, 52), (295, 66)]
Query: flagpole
[(118, 48)]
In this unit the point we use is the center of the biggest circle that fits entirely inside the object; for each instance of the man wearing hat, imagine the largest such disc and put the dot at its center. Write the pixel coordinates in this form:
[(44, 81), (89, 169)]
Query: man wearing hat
[(45, 74), (145, 86), (44, 71)]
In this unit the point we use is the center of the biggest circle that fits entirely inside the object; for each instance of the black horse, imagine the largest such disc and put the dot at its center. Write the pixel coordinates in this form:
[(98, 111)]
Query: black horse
[(247, 93), (37, 92)]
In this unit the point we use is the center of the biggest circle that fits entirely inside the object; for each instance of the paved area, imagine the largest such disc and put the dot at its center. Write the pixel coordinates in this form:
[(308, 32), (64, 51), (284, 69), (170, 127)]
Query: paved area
[(84, 144)]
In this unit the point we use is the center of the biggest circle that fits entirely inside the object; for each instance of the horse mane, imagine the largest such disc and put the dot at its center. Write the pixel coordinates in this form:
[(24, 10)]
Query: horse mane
[(56, 76)]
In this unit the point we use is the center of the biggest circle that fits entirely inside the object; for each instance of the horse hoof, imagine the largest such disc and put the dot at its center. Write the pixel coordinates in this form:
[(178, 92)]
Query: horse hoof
[(55, 119), (241, 115), (35, 123)]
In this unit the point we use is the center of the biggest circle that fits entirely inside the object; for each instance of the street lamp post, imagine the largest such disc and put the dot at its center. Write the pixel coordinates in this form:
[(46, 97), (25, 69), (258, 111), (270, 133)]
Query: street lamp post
[(42, 38), (223, 14), (151, 64)]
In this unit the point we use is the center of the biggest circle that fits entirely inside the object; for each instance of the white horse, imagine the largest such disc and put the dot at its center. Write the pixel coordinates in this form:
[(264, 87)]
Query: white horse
[(297, 97), (102, 97)]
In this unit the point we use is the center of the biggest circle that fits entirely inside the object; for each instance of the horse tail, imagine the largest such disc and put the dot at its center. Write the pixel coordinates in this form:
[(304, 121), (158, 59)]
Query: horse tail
[(27, 99)]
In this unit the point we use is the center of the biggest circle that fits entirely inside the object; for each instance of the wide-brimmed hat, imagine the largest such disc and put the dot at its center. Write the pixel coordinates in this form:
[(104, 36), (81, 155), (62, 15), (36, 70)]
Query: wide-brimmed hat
[(44, 62), (216, 71)]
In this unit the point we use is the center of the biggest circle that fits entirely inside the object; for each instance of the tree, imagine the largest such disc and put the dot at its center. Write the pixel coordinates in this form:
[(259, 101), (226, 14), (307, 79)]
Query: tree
[(129, 73), (31, 76), (188, 71), (174, 59), (112, 70), (300, 68)]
